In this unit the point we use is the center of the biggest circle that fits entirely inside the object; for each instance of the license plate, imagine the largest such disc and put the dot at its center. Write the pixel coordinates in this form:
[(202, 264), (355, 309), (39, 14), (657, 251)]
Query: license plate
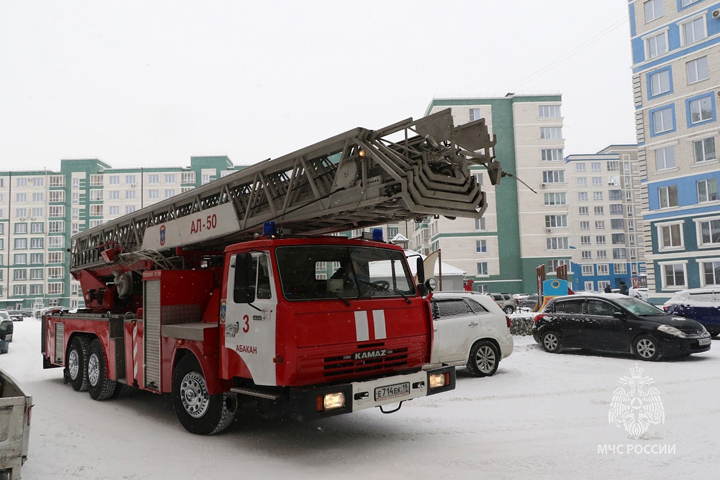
[(392, 391), (704, 341)]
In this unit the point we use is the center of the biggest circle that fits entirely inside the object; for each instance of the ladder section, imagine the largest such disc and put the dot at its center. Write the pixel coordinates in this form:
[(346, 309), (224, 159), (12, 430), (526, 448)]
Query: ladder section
[(357, 179)]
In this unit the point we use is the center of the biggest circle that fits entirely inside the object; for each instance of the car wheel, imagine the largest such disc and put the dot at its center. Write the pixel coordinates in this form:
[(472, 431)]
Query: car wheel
[(551, 342), (484, 359), (646, 348), (76, 366), (198, 411), (509, 309), (100, 386)]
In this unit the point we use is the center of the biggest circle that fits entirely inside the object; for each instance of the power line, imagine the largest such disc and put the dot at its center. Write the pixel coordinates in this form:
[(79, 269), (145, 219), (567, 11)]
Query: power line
[(571, 53)]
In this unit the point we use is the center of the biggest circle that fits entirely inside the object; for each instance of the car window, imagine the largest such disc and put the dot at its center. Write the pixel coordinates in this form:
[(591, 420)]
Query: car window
[(598, 307), (569, 306), (451, 308), (476, 307)]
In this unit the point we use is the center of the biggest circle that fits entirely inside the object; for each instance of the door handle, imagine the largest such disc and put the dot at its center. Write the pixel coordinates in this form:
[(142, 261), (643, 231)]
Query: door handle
[(473, 324)]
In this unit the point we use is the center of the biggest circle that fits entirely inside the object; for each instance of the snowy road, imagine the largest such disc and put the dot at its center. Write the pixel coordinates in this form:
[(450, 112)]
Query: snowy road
[(540, 416)]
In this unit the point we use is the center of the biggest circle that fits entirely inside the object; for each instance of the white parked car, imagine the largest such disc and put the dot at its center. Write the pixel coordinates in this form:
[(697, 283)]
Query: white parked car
[(470, 329)]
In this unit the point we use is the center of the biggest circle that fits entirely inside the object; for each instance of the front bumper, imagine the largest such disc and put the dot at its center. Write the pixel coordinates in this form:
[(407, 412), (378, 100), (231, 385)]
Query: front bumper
[(365, 394), (675, 346)]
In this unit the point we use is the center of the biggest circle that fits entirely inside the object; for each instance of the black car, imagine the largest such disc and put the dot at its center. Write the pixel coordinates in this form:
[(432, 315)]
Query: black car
[(617, 323)]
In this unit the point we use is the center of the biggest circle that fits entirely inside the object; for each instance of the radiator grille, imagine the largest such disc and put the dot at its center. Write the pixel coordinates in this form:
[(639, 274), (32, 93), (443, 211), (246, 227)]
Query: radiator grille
[(59, 343), (151, 319)]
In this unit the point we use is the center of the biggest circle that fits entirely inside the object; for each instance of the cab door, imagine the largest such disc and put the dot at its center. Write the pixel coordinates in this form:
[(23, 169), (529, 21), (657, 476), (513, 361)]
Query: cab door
[(251, 308)]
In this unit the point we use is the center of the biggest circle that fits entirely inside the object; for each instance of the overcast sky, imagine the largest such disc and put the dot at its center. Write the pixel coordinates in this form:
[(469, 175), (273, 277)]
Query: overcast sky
[(152, 83)]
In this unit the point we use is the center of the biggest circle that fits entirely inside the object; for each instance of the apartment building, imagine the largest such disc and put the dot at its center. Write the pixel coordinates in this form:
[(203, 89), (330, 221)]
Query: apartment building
[(521, 228), (605, 219), (676, 74), (41, 210)]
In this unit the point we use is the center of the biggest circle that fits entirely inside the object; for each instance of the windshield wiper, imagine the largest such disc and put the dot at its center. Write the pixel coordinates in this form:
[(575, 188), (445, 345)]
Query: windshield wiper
[(342, 299)]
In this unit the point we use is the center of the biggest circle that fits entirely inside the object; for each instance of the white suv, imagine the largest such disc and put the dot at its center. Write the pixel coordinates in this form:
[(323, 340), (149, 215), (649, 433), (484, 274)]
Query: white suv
[(471, 330)]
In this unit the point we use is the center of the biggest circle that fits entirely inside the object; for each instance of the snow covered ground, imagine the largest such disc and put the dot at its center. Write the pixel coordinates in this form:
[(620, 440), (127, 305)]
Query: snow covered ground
[(540, 416)]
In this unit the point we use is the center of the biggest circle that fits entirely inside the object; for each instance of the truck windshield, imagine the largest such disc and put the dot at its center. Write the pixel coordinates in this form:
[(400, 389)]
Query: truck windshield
[(317, 272)]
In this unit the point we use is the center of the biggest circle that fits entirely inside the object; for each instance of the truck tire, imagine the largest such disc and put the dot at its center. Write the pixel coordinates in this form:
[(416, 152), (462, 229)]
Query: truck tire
[(199, 412), (76, 366), (100, 387)]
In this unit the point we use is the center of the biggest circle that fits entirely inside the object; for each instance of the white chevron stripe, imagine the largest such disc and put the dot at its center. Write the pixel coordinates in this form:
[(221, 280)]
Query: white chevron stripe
[(361, 326), (379, 323)]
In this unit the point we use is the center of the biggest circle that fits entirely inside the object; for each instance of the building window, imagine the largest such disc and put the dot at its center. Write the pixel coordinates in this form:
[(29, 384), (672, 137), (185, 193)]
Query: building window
[(704, 150), (96, 210), (700, 110), (20, 275), (665, 158), (697, 70), (616, 209), (36, 258), (551, 133), (153, 193), (709, 232), (670, 236), (582, 196), (37, 243), (673, 275), (555, 199), (20, 259), (586, 255), (474, 114), (600, 239), (596, 167), (129, 209), (37, 227), (169, 178), (659, 83), (481, 246), (478, 178), (685, 3), (585, 225), (707, 190), (554, 176), (600, 225), (603, 269), (554, 264), (597, 196), (480, 223), (129, 194), (620, 268), (114, 179), (582, 182), (661, 120), (584, 210), (113, 195), (205, 178), (187, 177), (57, 181), (549, 111), (653, 10), (711, 273), (579, 167), (96, 180), (557, 243), (20, 244), (599, 210), (56, 257), (170, 192), (130, 179), (96, 195), (619, 254), (36, 274), (656, 45), (694, 30), (552, 154), (56, 226), (668, 196), (554, 221), (114, 210), (585, 240), (482, 268), (56, 288), (615, 195), (154, 178), (56, 241)]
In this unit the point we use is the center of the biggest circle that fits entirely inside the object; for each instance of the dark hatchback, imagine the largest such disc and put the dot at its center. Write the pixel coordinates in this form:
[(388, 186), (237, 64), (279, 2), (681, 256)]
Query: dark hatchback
[(617, 323)]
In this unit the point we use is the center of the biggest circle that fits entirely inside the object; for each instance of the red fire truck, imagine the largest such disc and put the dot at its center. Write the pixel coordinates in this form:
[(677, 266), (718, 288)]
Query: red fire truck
[(237, 290)]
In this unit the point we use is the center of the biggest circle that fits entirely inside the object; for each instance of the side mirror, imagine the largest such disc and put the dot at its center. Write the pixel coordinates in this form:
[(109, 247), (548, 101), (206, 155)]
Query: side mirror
[(619, 315), (244, 290), (420, 271)]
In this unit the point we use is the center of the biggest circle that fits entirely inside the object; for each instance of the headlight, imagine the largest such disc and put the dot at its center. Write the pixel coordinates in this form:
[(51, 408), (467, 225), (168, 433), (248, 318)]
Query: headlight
[(672, 331), (437, 380), (331, 401)]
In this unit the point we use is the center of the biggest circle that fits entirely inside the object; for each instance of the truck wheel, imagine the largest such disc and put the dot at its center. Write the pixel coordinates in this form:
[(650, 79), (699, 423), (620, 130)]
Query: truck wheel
[(198, 411), (77, 363), (484, 359), (100, 386)]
